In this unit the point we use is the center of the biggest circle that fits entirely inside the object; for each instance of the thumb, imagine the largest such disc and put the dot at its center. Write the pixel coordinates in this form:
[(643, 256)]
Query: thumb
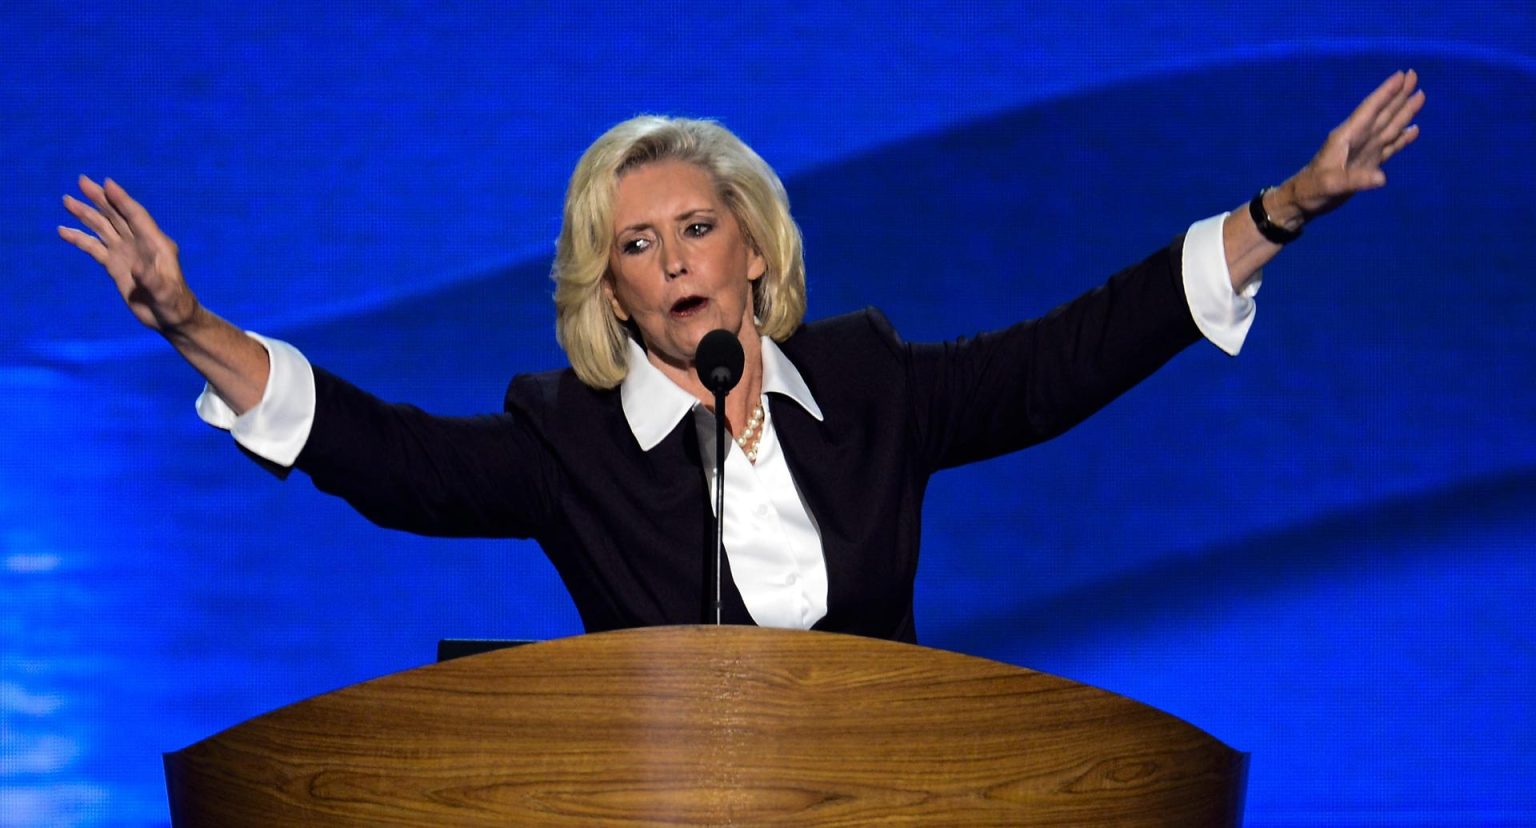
[(1367, 179)]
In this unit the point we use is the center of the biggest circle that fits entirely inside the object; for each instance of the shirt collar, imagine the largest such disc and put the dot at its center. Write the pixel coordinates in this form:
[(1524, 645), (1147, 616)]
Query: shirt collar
[(653, 404)]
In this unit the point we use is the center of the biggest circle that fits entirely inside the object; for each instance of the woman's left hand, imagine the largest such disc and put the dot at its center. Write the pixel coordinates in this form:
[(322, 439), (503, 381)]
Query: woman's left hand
[(1349, 162), (1351, 159)]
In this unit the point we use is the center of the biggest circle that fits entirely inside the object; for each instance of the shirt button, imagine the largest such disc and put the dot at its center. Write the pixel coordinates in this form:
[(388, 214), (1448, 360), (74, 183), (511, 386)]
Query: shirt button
[(762, 510), (792, 579)]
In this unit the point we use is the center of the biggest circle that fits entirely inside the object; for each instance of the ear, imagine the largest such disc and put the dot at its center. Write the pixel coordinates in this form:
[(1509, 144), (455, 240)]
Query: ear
[(756, 265), (613, 300)]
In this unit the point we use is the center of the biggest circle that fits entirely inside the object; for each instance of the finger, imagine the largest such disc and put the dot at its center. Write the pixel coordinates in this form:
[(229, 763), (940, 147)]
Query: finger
[(86, 242), (1403, 118), (138, 218), (1408, 137), (1367, 118), (98, 197), (1387, 112), (1363, 179), (1395, 107), (1365, 114), (1390, 132), (90, 218)]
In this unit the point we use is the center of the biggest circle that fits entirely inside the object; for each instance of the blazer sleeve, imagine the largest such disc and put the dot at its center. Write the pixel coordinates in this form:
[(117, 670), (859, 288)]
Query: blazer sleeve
[(1002, 391), (402, 468)]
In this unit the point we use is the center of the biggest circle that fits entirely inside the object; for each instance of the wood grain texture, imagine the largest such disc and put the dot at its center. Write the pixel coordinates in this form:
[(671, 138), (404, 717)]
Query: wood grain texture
[(710, 726)]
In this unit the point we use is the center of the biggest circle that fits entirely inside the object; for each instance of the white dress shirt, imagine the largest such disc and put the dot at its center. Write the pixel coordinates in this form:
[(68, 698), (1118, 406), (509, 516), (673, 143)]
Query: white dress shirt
[(771, 538)]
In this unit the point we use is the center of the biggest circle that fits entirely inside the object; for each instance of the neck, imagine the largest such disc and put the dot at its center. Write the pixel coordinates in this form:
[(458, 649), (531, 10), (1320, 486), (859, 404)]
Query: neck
[(740, 401)]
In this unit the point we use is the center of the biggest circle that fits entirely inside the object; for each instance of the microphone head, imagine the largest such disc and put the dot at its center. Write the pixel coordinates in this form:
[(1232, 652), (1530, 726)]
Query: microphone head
[(719, 360)]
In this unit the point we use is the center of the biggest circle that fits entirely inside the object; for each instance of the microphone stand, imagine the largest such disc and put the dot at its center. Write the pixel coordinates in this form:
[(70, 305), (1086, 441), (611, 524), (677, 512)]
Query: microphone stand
[(719, 494), (718, 361)]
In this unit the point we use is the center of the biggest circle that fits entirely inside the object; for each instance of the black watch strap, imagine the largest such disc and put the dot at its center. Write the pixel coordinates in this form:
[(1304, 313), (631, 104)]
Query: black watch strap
[(1271, 230)]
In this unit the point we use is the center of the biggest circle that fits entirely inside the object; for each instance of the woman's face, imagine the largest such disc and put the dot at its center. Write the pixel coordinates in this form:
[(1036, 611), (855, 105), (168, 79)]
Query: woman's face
[(680, 265)]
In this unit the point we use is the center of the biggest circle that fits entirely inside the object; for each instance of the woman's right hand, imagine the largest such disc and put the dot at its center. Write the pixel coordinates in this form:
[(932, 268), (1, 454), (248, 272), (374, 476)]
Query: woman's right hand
[(141, 259)]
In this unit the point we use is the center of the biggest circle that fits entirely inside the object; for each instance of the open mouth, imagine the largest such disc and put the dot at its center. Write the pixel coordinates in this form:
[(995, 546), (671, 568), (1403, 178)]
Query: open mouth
[(688, 306)]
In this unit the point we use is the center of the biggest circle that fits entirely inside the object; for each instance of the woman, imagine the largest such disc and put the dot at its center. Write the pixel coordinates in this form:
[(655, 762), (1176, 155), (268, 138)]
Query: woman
[(675, 228)]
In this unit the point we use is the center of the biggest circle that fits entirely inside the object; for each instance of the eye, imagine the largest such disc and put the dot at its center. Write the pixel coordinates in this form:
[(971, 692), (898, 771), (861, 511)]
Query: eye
[(699, 228), (635, 247)]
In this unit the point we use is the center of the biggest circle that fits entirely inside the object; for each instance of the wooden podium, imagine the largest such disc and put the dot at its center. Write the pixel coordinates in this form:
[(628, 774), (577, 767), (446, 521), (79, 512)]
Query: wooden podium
[(710, 726)]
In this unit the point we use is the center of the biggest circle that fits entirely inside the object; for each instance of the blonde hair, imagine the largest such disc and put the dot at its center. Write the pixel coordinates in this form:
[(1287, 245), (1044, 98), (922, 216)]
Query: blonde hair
[(585, 325)]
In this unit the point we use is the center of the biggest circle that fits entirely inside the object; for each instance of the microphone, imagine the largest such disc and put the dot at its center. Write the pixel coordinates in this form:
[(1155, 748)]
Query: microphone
[(718, 361)]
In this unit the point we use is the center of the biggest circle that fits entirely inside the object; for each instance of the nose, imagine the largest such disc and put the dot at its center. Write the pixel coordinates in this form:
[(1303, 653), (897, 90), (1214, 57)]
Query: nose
[(673, 261)]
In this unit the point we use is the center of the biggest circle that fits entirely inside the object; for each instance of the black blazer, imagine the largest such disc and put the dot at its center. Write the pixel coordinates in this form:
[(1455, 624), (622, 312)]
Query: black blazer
[(626, 528)]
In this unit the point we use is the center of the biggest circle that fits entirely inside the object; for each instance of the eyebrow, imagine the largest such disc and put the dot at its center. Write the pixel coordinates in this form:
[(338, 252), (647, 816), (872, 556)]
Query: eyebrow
[(683, 216)]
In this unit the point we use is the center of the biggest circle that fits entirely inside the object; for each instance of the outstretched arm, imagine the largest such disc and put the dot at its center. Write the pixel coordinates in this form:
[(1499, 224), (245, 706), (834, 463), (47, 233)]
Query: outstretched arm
[(1349, 162), (143, 261)]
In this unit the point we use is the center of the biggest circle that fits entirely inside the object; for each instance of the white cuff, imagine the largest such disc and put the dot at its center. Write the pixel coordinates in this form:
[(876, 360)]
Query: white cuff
[(1221, 314), (276, 428)]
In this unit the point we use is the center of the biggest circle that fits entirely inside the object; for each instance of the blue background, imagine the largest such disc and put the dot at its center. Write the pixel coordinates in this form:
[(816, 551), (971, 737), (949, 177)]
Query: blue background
[(1320, 552)]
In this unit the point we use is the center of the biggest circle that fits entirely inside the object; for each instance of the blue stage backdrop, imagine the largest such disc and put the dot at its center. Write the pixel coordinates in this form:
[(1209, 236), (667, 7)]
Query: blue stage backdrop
[(1320, 551)]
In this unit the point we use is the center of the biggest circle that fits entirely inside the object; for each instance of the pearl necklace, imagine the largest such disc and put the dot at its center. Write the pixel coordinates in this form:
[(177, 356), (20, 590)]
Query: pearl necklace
[(752, 436)]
